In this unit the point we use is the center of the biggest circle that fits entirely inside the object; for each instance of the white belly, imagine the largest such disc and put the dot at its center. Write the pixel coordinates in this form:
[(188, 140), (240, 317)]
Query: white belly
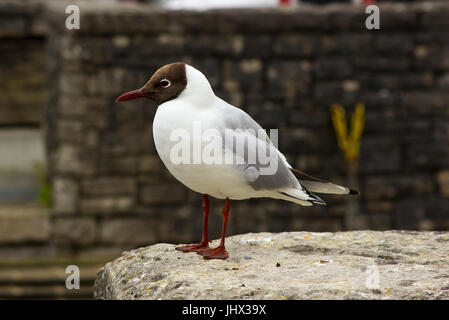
[(219, 180)]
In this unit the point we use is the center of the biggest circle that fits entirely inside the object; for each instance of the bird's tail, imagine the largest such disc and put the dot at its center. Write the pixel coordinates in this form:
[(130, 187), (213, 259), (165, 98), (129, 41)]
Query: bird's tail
[(313, 184)]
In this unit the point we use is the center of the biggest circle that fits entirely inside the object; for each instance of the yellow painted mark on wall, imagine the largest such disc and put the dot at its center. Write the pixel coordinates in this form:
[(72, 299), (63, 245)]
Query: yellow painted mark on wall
[(348, 143)]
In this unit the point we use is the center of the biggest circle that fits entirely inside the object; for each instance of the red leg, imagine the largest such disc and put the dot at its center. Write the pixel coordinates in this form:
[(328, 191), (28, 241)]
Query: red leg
[(220, 251), (204, 244)]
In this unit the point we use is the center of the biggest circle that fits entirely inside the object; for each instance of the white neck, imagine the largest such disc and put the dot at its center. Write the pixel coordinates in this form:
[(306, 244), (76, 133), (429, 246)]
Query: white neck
[(198, 91)]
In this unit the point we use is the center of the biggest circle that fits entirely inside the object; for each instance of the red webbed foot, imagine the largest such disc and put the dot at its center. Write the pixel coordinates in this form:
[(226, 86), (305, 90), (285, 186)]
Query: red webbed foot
[(194, 247), (215, 253)]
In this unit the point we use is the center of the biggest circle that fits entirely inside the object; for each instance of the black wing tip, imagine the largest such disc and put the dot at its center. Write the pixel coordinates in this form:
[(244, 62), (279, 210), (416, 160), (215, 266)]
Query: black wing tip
[(354, 192), (320, 202), (315, 199)]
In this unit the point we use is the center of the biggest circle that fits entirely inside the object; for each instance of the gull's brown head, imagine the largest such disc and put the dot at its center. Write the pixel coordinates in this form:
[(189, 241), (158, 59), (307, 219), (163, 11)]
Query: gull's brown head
[(165, 84)]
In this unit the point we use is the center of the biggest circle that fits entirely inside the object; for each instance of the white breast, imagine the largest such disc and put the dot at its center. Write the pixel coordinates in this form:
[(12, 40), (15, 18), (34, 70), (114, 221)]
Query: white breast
[(218, 180)]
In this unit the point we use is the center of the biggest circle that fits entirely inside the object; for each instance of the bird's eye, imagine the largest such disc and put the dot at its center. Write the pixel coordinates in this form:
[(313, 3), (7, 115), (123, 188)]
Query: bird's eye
[(165, 83)]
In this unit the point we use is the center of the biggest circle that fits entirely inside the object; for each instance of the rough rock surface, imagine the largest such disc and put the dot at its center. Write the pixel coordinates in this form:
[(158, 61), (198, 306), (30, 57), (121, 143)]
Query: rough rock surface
[(290, 265)]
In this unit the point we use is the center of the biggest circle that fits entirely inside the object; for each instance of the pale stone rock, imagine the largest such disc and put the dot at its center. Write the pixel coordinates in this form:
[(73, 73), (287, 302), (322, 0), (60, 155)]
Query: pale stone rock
[(289, 265)]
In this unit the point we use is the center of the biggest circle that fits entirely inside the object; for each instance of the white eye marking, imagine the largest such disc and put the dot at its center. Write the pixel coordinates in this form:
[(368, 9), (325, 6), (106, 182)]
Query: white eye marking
[(165, 83)]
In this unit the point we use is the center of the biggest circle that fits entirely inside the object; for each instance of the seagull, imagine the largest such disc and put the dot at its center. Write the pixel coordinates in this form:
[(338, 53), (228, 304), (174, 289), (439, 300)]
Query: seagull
[(196, 134)]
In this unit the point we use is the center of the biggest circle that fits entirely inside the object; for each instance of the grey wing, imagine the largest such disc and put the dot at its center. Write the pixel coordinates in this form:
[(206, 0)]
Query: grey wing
[(263, 166)]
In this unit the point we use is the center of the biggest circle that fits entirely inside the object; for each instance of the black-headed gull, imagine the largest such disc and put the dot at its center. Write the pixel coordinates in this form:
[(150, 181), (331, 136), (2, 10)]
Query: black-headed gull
[(217, 149)]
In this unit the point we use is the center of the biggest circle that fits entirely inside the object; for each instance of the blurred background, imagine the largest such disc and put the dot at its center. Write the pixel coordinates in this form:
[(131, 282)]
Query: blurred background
[(80, 180)]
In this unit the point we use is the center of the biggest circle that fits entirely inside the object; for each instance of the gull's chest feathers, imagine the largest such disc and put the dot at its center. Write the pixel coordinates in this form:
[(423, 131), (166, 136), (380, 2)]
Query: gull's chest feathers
[(174, 121)]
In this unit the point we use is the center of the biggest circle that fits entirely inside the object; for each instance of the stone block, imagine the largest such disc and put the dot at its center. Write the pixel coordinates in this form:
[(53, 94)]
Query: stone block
[(221, 44), (327, 92), (397, 43), (308, 163), (400, 16), (397, 81), (267, 113), (13, 25), (21, 224), (163, 194), (434, 16), (443, 182), (108, 186), (150, 164), (422, 213), (256, 45), (394, 186), (336, 68), (441, 129), (388, 120), (347, 43), (287, 79), (107, 205), (383, 98), (296, 45), (70, 131), (71, 83), (65, 195), (134, 231), (379, 207), (432, 37), (121, 165), (426, 155), (67, 160), (246, 76), (74, 231), (382, 63), (432, 57), (379, 155), (70, 105), (443, 81), (305, 139)]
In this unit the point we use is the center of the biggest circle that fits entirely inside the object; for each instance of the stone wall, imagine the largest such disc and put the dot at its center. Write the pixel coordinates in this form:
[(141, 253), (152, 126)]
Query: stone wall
[(23, 96), (23, 63), (24, 225), (285, 68)]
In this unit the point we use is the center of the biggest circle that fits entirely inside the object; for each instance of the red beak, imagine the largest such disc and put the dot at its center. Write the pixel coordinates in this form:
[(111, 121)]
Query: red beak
[(132, 95)]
